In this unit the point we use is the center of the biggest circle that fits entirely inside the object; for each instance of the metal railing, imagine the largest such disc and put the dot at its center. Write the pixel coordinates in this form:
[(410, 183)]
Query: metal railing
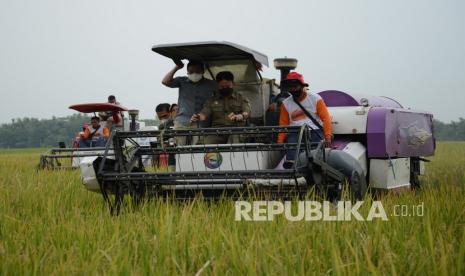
[(126, 173)]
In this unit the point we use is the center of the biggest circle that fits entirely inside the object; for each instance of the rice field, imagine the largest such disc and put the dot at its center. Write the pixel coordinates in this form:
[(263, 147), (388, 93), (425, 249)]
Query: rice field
[(49, 224)]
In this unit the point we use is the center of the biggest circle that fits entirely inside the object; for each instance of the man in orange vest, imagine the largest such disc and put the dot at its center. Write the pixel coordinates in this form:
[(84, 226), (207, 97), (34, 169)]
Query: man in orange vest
[(95, 135), (303, 108)]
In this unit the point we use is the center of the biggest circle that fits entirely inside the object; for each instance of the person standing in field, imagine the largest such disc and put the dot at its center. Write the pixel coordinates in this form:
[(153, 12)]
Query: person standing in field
[(194, 90)]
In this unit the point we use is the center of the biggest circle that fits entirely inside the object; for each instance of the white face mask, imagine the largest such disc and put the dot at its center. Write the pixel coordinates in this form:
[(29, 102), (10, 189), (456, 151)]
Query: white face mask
[(194, 77)]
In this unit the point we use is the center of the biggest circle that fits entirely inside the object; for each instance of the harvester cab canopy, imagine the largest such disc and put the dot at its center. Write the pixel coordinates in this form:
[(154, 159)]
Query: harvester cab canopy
[(98, 107), (218, 56), (209, 51), (243, 62)]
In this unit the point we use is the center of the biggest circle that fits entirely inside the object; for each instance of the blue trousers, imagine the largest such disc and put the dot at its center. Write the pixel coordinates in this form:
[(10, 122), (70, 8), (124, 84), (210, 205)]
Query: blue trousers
[(315, 137), (84, 143)]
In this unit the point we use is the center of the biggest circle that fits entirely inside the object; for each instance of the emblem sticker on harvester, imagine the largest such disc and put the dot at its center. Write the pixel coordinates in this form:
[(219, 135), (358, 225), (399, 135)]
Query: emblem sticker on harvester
[(213, 160)]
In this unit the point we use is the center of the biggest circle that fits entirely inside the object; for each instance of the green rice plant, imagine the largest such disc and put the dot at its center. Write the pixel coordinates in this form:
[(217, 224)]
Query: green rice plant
[(50, 224)]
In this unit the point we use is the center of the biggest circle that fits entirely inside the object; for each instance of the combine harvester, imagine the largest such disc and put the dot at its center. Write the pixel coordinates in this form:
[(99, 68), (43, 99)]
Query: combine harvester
[(377, 144), (70, 158)]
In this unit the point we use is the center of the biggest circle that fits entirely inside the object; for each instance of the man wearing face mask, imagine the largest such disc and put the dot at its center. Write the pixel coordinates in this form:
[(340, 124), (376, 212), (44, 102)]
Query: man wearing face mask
[(194, 90), (303, 108), (163, 116), (226, 108)]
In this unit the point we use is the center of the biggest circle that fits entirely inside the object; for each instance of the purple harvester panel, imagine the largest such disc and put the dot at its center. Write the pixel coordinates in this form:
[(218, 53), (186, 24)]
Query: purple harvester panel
[(376, 138), (414, 133), (397, 132), (339, 143), (338, 98), (335, 98)]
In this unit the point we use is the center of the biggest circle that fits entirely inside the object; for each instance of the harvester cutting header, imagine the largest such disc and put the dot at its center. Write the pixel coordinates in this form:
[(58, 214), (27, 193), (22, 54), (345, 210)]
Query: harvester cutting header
[(91, 140), (237, 131)]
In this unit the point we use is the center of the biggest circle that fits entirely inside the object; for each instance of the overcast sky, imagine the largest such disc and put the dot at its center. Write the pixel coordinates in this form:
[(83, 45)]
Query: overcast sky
[(57, 53)]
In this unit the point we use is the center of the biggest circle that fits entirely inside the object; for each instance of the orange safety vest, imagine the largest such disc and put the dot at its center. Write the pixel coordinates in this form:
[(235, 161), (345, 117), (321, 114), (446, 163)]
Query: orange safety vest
[(293, 115), (297, 116), (100, 132)]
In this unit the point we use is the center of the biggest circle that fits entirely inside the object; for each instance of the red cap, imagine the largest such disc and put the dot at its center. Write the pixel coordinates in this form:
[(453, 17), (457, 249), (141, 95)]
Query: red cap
[(296, 76)]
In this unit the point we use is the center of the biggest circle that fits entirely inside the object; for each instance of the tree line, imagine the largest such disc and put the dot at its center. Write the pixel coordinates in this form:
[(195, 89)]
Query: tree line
[(32, 132)]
